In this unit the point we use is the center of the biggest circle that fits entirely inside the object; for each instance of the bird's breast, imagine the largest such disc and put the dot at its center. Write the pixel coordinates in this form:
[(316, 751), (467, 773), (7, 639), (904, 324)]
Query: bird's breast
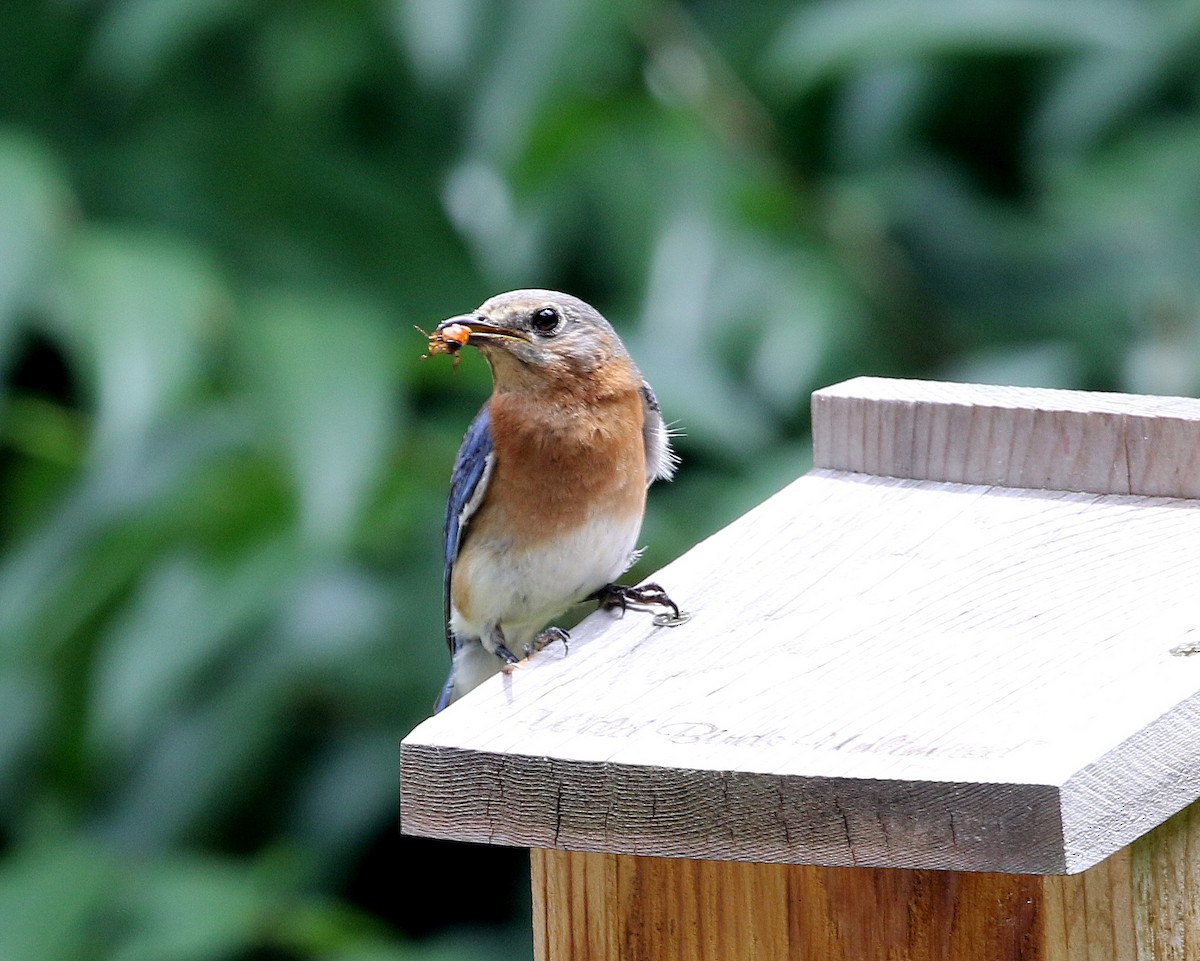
[(561, 514), (557, 466)]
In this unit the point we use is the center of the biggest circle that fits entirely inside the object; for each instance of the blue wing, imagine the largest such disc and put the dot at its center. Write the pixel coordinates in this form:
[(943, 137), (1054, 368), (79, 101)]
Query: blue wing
[(468, 483)]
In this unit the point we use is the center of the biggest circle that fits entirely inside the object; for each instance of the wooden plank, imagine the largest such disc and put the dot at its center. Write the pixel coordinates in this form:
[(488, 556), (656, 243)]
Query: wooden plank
[(879, 672), (748, 816), (1010, 436), (761, 912), (575, 910), (1166, 886), (1141, 904), (1090, 916)]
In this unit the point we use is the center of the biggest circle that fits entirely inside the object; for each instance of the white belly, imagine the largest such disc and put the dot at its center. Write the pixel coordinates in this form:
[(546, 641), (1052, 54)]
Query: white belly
[(524, 591)]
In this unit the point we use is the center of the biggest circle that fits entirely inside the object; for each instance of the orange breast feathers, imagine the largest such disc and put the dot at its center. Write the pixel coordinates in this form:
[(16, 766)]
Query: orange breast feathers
[(560, 464)]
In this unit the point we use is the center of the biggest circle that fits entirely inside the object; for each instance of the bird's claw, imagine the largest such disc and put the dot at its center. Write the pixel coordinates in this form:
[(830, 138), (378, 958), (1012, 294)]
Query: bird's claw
[(546, 638), (613, 596), (508, 657)]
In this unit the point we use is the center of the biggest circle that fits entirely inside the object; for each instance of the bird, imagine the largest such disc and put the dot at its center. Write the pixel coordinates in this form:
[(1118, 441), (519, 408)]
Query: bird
[(548, 489)]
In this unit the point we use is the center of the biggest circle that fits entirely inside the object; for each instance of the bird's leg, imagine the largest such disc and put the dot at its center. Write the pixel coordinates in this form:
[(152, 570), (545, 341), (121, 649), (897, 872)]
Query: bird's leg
[(546, 638), (500, 649), (612, 596)]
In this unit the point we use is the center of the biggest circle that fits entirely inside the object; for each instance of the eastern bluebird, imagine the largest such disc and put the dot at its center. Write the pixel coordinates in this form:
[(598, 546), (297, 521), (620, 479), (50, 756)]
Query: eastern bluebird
[(549, 486)]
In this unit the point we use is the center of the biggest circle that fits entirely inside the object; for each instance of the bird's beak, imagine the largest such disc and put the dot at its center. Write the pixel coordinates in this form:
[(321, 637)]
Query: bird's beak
[(481, 329)]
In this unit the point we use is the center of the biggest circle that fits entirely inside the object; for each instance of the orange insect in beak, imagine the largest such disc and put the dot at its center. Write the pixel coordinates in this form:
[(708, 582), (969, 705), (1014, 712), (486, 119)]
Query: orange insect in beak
[(448, 339)]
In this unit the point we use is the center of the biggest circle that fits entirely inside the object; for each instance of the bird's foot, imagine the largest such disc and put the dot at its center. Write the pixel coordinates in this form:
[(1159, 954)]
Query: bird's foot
[(546, 638), (646, 597)]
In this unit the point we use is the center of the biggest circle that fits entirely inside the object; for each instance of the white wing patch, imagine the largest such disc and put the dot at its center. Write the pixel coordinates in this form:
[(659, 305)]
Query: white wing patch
[(477, 495)]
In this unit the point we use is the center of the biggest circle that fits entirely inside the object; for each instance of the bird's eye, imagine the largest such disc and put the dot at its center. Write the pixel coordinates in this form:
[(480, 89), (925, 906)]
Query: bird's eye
[(546, 320)]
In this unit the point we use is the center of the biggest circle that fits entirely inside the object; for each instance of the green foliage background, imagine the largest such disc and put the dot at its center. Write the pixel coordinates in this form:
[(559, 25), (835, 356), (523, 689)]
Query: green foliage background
[(222, 462)]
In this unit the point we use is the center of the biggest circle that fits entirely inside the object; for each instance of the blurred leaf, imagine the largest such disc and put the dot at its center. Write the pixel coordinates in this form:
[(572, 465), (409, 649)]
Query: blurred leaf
[(1095, 91), (197, 908), (324, 932), (49, 581), (876, 112), (34, 207), (135, 38), (541, 50), (690, 278), (218, 748), (1141, 193), (1139, 203), (347, 787), (47, 443), (325, 373), (1165, 362), (54, 900), (832, 37), (311, 56), (1051, 364), (179, 626), (331, 614), (135, 310), (437, 35), (26, 711)]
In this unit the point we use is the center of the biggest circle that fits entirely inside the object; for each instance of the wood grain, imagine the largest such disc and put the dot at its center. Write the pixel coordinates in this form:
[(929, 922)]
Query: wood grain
[(1010, 436), (879, 672), (713, 911), (1141, 904), (1165, 872)]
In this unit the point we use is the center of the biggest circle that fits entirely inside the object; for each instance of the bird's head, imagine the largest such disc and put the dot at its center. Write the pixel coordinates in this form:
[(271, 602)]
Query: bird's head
[(531, 337)]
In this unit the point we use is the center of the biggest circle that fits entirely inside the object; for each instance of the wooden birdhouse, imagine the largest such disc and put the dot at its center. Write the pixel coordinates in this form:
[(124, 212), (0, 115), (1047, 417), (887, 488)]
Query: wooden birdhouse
[(938, 699)]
